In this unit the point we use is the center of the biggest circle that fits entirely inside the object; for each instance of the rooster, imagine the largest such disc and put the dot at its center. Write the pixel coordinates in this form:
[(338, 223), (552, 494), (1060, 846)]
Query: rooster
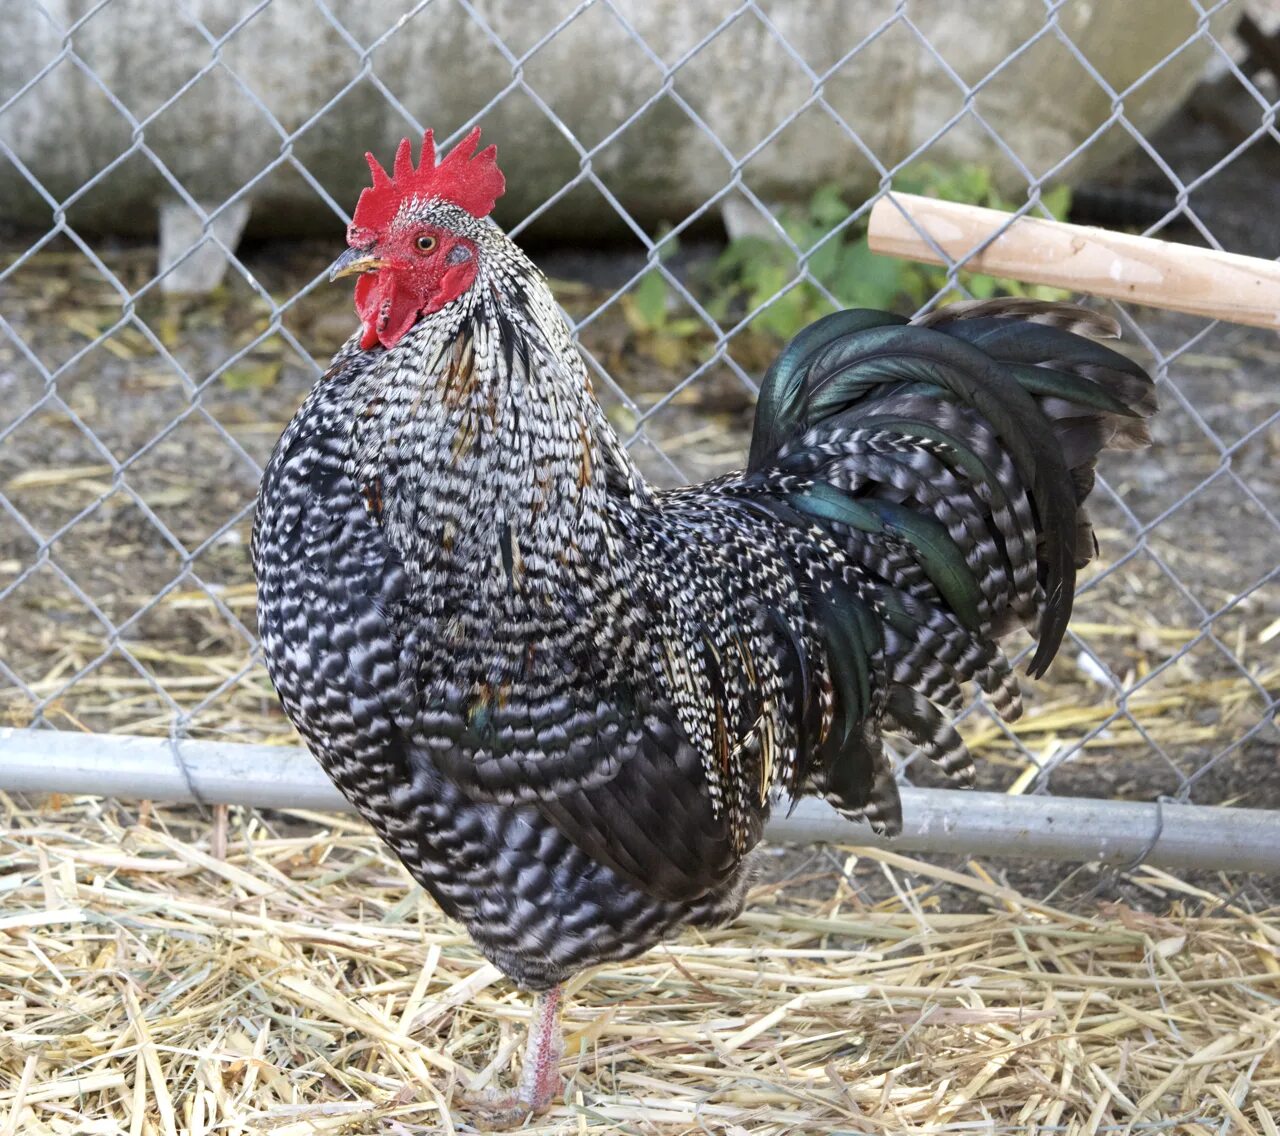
[(568, 700)]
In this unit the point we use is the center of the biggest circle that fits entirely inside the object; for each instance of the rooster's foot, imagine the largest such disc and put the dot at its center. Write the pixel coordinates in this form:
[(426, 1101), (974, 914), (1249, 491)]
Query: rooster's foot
[(540, 1082), (494, 1111)]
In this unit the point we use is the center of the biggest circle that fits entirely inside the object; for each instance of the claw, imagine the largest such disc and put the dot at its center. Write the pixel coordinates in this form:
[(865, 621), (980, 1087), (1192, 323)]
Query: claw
[(494, 1111), (540, 1080)]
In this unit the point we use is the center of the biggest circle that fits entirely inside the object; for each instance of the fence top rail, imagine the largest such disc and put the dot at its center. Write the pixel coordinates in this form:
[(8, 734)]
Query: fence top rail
[(1076, 829)]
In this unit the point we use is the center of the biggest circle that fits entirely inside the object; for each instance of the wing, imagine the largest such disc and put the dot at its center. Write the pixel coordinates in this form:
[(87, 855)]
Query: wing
[(724, 689), (610, 767), (646, 723), (653, 822)]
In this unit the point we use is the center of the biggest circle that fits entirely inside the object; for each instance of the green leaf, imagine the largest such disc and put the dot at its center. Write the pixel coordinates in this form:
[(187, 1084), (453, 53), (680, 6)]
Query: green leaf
[(864, 279), (738, 256), (717, 307), (802, 231), (825, 259), (1057, 201), (983, 287), (754, 269), (666, 244), (788, 314), (827, 207), (685, 327), (764, 282), (650, 301)]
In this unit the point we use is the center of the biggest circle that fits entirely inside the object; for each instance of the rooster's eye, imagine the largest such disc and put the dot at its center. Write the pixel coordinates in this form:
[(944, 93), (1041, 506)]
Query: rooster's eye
[(426, 244)]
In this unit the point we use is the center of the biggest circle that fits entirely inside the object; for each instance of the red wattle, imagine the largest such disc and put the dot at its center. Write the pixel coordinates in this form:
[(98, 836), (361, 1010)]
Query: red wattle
[(387, 309)]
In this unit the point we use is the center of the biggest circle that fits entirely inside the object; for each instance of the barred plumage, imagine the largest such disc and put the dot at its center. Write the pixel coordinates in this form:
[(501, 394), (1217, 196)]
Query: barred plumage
[(567, 700)]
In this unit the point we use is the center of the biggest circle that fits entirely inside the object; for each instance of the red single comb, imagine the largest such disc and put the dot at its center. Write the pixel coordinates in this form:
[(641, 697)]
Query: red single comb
[(470, 180)]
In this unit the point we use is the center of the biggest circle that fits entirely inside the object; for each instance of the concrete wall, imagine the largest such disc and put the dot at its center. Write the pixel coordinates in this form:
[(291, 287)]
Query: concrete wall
[(444, 68)]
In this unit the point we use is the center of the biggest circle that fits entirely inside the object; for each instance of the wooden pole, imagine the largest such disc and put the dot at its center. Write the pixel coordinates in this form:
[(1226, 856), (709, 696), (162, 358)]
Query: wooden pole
[(1080, 258)]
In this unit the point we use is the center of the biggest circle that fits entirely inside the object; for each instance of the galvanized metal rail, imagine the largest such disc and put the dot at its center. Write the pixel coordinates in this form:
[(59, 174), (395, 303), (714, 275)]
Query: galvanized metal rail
[(936, 820)]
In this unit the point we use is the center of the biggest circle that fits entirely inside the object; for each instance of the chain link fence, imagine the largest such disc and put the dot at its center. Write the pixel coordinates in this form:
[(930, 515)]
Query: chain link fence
[(135, 421), (695, 179)]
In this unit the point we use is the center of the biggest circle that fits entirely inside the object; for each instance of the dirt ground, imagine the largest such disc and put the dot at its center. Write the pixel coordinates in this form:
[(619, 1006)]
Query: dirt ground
[(142, 607)]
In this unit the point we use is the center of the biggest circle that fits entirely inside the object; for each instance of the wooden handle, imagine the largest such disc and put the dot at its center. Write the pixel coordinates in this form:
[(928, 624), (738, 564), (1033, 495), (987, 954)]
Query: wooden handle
[(1140, 270)]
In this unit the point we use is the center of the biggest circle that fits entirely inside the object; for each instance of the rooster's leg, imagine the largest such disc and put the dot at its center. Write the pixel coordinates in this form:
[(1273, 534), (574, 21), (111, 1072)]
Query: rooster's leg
[(540, 1081)]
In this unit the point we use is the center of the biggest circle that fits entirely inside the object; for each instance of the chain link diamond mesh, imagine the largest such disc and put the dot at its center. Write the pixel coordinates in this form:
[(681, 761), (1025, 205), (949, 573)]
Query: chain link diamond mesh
[(134, 424)]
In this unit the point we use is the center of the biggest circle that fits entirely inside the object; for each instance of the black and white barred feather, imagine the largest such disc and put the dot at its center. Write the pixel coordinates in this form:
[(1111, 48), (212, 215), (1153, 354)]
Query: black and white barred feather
[(568, 700)]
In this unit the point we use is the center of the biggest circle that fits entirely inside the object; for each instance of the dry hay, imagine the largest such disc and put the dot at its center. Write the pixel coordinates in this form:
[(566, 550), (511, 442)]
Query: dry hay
[(291, 983)]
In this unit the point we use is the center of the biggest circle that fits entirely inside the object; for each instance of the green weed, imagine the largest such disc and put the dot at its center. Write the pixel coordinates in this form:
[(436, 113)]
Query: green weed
[(752, 272)]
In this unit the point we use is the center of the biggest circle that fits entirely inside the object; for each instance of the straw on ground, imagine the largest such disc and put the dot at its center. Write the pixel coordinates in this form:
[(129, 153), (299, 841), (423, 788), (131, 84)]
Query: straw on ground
[(300, 986)]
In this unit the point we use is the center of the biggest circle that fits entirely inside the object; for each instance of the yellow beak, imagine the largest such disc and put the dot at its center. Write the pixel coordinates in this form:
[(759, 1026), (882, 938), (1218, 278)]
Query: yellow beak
[(355, 262)]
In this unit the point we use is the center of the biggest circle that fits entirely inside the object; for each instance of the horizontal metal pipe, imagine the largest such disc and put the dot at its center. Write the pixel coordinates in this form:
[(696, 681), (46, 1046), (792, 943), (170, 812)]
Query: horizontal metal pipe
[(935, 820)]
